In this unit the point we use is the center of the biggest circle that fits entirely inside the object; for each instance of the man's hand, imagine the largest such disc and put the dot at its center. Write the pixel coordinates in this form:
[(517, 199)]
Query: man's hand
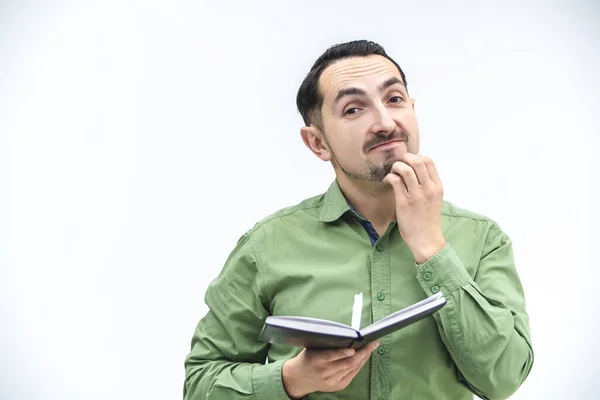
[(419, 193), (323, 370)]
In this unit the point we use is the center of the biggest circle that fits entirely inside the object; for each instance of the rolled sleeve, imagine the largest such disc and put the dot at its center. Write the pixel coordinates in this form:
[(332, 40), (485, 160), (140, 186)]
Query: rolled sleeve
[(267, 381), (443, 272)]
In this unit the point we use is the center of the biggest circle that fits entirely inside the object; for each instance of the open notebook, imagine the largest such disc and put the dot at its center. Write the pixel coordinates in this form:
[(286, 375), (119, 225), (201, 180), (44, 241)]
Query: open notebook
[(320, 333)]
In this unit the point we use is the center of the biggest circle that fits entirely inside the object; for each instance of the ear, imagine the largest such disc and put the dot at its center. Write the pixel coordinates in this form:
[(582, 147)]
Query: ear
[(313, 139)]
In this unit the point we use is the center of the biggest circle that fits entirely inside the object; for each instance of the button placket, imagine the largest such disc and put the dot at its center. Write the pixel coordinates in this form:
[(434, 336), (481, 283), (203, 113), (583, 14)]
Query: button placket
[(380, 290)]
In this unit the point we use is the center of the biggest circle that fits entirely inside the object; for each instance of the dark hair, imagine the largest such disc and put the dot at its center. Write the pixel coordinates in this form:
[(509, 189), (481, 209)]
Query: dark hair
[(309, 99)]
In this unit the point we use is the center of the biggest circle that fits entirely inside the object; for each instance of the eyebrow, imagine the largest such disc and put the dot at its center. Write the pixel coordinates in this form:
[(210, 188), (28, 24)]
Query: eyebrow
[(351, 91), (348, 92), (390, 82)]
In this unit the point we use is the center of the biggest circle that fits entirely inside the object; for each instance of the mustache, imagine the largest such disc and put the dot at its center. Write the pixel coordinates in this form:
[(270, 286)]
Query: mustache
[(382, 139)]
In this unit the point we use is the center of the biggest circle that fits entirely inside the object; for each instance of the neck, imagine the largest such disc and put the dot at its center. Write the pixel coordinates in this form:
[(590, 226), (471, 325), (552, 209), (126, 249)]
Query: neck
[(373, 200)]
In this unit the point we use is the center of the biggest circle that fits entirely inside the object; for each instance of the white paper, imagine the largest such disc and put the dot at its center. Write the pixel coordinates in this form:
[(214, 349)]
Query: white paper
[(357, 311)]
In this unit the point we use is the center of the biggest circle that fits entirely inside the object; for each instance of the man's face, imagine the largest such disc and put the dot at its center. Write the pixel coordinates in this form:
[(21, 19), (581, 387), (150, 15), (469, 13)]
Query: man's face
[(368, 120)]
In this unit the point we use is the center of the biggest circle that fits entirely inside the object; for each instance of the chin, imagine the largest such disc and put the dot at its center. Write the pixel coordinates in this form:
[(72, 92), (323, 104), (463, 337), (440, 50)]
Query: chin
[(394, 155)]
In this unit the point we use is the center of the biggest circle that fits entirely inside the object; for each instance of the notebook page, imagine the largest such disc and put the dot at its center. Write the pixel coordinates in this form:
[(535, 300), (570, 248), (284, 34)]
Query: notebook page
[(357, 311)]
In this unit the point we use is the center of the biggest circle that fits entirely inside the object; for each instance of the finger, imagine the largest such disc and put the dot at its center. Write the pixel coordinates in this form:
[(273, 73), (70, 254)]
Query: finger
[(346, 374), (417, 163), (347, 378), (368, 348), (351, 362), (342, 374), (333, 355), (349, 374), (432, 170), (407, 174), (397, 184)]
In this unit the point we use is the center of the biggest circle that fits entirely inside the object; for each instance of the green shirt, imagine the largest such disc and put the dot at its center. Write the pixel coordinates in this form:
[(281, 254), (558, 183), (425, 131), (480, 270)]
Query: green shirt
[(311, 259)]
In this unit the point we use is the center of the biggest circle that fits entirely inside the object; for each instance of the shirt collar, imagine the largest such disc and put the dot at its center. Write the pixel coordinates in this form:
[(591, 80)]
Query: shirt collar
[(334, 205)]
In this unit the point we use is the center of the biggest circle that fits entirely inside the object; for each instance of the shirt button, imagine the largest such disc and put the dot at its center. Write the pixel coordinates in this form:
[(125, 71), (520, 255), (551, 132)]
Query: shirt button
[(379, 247), (380, 296), (380, 350), (435, 289), (427, 275)]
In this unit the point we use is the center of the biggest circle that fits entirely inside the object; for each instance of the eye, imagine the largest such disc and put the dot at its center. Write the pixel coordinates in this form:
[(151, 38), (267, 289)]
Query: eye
[(351, 111), (396, 99)]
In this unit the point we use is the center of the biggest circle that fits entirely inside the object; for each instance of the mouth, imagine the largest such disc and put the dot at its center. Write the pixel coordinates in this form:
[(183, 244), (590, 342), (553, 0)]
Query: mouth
[(386, 145)]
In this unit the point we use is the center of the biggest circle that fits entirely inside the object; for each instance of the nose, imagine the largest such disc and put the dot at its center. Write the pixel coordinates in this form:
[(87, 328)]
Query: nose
[(383, 123)]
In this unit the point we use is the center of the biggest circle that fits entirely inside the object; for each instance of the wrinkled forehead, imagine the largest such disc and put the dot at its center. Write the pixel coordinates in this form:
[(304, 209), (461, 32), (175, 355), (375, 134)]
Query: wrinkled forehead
[(365, 73)]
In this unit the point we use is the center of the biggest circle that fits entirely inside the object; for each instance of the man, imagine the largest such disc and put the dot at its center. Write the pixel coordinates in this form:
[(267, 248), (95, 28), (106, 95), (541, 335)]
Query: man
[(383, 229)]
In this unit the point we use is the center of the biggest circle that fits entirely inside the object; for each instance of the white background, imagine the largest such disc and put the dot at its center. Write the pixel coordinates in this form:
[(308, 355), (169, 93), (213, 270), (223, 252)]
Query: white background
[(139, 140)]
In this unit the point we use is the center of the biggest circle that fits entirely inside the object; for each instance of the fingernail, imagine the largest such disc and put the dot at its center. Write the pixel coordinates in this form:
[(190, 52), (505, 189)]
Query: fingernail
[(349, 352), (375, 344)]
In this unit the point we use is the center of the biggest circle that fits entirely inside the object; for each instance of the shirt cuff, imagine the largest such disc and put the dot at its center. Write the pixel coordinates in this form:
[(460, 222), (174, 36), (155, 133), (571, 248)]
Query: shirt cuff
[(443, 272), (267, 381)]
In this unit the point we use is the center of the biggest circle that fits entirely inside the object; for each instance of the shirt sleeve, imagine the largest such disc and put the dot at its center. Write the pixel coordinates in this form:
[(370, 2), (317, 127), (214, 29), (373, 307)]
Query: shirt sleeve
[(226, 360), (484, 324)]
